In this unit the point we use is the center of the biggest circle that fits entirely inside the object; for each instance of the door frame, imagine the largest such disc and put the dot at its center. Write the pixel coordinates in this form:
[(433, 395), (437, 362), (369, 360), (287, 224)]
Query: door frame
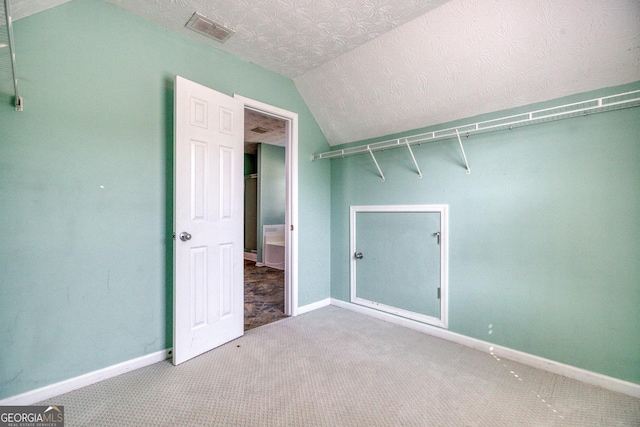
[(291, 209), (443, 210)]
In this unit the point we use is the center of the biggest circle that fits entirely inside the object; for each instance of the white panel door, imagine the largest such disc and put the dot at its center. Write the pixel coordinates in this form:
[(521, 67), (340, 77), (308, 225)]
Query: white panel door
[(209, 218)]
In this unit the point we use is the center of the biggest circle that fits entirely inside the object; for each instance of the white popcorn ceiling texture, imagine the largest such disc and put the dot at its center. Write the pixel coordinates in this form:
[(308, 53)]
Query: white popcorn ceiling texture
[(470, 57), (369, 68), (275, 129), (22, 8), (289, 37)]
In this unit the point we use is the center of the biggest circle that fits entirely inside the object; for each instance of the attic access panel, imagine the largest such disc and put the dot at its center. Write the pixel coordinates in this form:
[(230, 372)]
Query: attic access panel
[(399, 260)]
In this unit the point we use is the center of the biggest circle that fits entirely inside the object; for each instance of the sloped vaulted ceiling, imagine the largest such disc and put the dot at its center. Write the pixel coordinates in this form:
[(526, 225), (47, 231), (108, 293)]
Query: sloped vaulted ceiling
[(370, 68), (469, 57), (22, 8)]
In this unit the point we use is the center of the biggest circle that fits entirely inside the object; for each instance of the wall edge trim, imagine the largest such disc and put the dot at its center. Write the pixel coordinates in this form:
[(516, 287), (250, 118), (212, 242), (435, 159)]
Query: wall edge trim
[(589, 377), (314, 306), (583, 375), (71, 384), (75, 383)]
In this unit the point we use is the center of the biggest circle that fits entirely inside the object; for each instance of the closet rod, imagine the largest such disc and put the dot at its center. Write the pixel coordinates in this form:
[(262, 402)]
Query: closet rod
[(576, 109), (12, 53)]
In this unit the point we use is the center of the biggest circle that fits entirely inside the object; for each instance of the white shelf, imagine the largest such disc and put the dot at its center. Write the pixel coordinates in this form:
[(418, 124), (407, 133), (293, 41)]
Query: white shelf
[(576, 109)]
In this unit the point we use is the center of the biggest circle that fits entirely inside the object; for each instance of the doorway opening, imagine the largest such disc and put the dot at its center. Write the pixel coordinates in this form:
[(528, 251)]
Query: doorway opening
[(270, 261), (264, 216)]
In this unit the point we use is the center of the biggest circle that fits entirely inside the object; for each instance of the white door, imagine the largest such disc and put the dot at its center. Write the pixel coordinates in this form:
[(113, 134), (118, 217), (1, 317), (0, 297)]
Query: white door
[(208, 248)]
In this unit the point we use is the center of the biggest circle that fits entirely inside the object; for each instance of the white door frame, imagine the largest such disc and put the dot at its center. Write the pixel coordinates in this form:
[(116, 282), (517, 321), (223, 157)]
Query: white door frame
[(291, 211)]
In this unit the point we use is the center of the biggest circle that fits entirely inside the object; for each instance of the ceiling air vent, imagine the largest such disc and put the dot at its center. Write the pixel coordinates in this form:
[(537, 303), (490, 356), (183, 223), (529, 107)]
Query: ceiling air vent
[(259, 129), (209, 27)]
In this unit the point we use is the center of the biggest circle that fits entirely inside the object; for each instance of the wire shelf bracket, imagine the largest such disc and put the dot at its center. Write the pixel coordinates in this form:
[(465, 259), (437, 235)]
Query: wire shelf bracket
[(413, 157), (464, 156), (577, 109), (376, 162)]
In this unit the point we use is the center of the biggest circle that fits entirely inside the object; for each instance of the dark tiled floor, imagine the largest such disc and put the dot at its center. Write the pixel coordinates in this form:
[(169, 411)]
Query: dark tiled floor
[(263, 295)]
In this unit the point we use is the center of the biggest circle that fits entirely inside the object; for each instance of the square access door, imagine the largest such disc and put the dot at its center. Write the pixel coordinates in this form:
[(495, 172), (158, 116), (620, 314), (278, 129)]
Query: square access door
[(399, 260)]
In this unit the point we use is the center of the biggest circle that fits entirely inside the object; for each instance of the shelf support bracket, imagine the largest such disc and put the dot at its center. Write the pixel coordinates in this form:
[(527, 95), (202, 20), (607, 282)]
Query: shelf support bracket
[(406, 140), (376, 162), (464, 156)]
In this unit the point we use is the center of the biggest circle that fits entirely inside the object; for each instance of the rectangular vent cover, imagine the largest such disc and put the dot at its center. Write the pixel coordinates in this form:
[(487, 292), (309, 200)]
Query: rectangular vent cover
[(209, 28)]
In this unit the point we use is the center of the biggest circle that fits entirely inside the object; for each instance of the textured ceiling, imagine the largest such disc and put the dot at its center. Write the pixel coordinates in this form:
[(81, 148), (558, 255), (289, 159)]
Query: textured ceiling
[(275, 130), (289, 37), (369, 68), (471, 57), (22, 8)]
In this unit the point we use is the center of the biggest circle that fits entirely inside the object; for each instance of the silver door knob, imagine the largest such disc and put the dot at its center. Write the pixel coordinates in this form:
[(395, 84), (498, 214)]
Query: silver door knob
[(184, 236), (359, 255)]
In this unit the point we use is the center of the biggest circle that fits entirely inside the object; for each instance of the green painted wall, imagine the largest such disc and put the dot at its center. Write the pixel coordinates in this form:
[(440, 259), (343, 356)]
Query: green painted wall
[(250, 203), (389, 242), (272, 190), (86, 189), (544, 233), (250, 164)]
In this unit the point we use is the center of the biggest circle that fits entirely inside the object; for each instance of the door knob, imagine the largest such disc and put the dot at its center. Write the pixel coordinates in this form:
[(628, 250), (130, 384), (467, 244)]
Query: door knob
[(184, 236), (359, 255)]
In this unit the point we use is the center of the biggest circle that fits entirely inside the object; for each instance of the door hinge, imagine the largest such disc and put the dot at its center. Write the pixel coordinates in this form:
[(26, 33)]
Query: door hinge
[(438, 293), (174, 235), (291, 227), (437, 234)]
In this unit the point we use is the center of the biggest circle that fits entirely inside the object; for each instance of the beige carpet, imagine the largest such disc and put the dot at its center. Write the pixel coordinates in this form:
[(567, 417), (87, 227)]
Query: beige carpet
[(332, 367)]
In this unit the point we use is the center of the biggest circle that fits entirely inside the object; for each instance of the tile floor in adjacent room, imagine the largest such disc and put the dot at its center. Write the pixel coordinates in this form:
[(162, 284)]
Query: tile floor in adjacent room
[(263, 295)]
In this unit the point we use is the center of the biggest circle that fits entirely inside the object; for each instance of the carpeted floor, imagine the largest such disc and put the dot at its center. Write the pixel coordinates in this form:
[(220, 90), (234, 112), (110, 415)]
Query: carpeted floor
[(263, 295), (333, 367)]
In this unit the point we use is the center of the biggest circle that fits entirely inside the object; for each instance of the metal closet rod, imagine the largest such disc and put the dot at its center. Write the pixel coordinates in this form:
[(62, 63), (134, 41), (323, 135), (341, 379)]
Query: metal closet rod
[(12, 53), (575, 109)]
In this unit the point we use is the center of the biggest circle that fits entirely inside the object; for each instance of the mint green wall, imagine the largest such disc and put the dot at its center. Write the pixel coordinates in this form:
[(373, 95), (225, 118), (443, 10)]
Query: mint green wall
[(390, 242), (250, 164), (85, 271), (250, 203), (272, 190), (544, 233)]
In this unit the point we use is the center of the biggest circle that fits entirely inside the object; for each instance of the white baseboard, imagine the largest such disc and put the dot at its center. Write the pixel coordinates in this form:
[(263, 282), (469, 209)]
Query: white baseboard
[(251, 256), (589, 377), (314, 306), (53, 390)]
